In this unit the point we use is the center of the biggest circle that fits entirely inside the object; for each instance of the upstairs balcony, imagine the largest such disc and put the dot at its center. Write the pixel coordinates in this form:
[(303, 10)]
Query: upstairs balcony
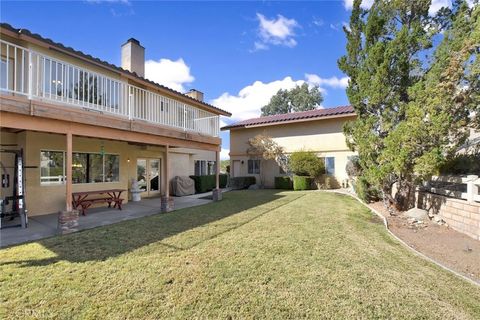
[(38, 76)]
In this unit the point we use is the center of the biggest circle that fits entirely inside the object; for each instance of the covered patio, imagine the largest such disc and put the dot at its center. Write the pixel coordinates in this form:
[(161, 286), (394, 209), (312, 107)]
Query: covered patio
[(45, 226), (54, 151)]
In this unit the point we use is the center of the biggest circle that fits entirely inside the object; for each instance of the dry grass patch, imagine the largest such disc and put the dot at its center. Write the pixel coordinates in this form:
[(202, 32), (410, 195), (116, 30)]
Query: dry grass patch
[(256, 254)]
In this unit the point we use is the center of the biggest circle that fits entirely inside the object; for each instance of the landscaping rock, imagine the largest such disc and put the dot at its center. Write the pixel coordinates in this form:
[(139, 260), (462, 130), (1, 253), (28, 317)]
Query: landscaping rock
[(253, 187), (217, 194), (417, 213), (415, 224), (67, 221), (411, 220), (167, 204), (438, 220)]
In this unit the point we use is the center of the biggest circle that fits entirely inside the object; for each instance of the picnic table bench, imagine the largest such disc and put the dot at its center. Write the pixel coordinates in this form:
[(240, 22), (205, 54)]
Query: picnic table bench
[(85, 199)]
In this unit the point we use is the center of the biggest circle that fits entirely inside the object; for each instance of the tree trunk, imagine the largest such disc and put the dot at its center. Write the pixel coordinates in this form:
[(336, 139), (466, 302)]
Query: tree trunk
[(388, 200), (405, 196)]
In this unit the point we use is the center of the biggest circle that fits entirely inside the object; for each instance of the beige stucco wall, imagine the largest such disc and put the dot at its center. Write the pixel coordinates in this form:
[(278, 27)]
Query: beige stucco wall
[(185, 158), (324, 137), (44, 199)]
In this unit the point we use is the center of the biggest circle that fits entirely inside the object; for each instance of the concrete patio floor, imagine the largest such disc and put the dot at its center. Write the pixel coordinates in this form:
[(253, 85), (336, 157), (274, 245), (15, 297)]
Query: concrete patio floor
[(45, 226)]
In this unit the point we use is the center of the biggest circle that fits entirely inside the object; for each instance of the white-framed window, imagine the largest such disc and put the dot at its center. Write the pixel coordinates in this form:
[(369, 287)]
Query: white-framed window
[(330, 165), (204, 167), (52, 167), (86, 167), (253, 166)]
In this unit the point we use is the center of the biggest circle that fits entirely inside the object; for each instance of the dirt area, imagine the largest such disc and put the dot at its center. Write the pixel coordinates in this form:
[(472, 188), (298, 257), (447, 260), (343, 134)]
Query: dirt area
[(447, 246)]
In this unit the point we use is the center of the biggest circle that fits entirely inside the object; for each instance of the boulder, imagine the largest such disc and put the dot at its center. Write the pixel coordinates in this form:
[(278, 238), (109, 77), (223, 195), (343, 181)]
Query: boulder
[(253, 187), (417, 213)]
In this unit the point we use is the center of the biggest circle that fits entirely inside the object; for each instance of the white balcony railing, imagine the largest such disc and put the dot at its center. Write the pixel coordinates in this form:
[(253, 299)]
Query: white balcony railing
[(38, 76)]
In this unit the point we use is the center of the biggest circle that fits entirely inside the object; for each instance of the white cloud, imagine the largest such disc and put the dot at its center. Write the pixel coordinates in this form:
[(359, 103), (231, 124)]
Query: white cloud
[(279, 31), (318, 21), (260, 46), (224, 154), (366, 4), (126, 2), (247, 103), (333, 82), (334, 26), (438, 4), (223, 123), (173, 74), (434, 7)]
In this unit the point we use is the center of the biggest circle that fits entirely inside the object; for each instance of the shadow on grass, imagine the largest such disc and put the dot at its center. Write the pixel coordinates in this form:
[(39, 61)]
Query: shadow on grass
[(110, 241)]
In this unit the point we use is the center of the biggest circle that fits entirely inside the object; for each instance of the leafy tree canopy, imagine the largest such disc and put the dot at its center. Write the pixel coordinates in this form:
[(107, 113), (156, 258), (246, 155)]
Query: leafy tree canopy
[(306, 163), (300, 98), (414, 100), (263, 147)]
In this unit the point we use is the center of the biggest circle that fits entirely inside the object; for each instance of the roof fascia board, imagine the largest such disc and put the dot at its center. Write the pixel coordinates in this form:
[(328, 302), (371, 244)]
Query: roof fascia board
[(276, 123)]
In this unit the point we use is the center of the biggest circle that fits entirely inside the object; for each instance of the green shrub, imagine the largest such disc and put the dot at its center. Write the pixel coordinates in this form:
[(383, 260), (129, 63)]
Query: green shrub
[(462, 164), (223, 180), (306, 163), (242, 182), (208, 183), (365, 191), (353, 167), (283, 183), (302, 183), (327, 182)]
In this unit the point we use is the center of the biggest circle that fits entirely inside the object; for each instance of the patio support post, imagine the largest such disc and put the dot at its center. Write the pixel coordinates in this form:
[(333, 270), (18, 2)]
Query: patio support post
[(68, 218), (167, 172), (217, 170), (68, 180), (166, 201), (217, 193)]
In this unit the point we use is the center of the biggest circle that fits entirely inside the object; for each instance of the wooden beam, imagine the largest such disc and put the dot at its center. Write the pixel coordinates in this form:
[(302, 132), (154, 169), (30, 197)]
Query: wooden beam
[(19, 104), (217, 170), (26, 122), (68, 163), (167, 172)]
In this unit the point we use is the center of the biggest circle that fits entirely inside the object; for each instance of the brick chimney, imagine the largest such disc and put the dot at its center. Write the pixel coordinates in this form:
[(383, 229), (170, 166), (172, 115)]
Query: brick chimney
[(133, 57), (195, 94)]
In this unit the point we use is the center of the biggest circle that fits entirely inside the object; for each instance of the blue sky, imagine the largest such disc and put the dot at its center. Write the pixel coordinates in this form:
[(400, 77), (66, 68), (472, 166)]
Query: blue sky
[(237, 53)]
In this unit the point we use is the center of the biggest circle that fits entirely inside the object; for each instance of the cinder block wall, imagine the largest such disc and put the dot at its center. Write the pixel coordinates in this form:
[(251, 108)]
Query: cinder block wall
[(460, 215)]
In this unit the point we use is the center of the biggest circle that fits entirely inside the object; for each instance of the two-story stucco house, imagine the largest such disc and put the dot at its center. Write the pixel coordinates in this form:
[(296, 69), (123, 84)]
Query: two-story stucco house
[(320, 131), (83, 124)]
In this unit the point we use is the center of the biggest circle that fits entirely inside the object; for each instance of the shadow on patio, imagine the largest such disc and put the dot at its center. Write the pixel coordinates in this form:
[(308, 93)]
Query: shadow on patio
[(110, 241)]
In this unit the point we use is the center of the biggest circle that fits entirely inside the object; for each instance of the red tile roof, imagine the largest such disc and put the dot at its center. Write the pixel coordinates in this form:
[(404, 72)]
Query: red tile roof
[(61, 46), (294, 116)]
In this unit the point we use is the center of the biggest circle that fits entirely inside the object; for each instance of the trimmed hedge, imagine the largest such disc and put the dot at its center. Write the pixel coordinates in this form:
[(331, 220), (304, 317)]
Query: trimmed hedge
[(242, 182), (283, 183), (208, 183), (302, 183)]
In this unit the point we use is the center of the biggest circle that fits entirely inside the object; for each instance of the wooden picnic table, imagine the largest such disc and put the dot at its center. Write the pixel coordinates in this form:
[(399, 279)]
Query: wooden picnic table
[(85, 199)]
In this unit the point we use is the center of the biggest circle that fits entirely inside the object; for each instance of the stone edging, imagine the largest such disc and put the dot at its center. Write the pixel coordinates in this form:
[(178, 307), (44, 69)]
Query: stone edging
[(418, 253)]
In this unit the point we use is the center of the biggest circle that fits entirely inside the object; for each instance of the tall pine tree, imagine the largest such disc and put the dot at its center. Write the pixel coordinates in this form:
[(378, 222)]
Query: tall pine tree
[(412, 106)]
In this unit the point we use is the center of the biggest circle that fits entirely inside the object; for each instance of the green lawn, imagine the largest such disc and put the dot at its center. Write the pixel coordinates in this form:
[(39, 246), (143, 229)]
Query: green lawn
[(256, 254)]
